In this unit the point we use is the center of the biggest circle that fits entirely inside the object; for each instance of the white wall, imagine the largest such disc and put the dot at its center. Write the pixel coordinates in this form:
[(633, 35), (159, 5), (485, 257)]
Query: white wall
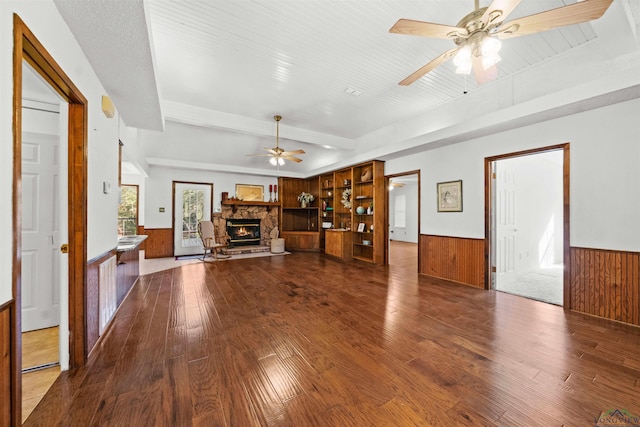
[(605, 175), (159, 190), (43, 19)]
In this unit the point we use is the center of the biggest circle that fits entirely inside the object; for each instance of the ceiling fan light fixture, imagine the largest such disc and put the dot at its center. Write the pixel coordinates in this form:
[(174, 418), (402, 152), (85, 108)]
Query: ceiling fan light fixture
[(463, 61), (489, 48), (275, 161)]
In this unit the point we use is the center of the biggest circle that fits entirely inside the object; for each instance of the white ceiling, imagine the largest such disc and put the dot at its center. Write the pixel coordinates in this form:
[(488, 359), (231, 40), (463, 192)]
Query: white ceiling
[(205, 78)]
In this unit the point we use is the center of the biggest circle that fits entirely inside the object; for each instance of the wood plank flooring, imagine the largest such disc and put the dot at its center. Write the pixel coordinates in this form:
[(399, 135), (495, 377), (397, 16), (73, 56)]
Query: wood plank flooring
[(305, 340), (40, 347)]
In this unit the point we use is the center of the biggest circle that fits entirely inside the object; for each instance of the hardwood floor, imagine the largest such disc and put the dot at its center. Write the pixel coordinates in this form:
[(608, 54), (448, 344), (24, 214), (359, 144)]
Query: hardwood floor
[(39, 348), (403, 255), (304, 340)]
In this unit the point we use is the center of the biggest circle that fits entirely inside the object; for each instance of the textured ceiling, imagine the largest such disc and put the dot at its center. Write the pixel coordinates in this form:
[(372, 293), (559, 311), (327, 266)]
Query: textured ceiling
[(217, 71)]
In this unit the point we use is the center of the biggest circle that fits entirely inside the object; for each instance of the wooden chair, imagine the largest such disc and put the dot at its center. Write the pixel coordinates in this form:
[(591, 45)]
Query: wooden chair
[(210, 242)]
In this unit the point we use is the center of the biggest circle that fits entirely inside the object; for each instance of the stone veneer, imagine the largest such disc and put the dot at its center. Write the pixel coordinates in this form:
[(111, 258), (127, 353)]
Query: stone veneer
[(268, 219)]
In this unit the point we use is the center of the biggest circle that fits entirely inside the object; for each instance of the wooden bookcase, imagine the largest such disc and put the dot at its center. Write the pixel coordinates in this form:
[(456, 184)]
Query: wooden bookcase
[(303, 227), (367, 218), (327, 206), (299, 226)]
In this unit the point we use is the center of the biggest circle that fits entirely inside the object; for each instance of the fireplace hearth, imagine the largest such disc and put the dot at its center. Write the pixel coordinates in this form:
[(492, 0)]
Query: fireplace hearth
[(243, 232)]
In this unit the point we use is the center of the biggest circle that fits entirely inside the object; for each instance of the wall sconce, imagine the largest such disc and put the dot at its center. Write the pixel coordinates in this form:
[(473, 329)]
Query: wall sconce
[(107, 107)]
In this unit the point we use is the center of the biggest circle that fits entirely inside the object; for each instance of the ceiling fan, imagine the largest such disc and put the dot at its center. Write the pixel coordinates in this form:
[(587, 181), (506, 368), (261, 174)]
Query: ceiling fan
[(478, 34), (279, 155)]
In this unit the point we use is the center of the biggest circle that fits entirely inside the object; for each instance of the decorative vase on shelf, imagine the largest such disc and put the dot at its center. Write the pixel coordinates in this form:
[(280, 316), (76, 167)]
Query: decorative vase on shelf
[(303, 204), (367, 174), (360, 210)]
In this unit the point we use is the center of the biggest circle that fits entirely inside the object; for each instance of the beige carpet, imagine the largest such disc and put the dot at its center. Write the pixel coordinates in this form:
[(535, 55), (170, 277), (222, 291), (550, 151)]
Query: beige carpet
[(544, 284), (148, 266)]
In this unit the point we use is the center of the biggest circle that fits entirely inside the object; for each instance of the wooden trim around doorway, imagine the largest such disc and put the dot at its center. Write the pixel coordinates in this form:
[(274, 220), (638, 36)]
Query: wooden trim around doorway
[(28, 48), (488, 229), (387, 179)]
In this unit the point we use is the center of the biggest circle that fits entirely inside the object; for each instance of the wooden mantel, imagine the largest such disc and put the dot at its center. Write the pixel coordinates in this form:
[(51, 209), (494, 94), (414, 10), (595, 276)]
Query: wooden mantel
[(235, 203)]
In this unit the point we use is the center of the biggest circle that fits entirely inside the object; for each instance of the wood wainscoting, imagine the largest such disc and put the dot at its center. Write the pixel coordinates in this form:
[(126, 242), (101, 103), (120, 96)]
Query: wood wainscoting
[(457, 259), (605, 283), (159, 244), (7, 365)]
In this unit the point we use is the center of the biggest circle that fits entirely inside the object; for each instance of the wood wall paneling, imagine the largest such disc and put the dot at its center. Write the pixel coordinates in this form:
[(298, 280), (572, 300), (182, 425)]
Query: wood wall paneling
[(453, 258), (301, 241), (140, 231), (6, 363), (159, 244), (605, 283), (128, 271)]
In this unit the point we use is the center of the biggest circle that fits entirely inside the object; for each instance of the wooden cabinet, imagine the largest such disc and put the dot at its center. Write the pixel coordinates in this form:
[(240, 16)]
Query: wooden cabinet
[(352, 199), (301, 240), (299, 225), (338, 243)]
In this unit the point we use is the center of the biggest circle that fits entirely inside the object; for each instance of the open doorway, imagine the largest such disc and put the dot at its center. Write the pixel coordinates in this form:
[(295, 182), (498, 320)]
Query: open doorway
[(528, 224), (73, 255), (44, 218), (403, 219)]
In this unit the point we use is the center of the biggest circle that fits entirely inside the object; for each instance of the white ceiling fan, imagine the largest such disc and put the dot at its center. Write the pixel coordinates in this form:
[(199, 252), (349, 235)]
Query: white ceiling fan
[(478, 34), (279, 155)]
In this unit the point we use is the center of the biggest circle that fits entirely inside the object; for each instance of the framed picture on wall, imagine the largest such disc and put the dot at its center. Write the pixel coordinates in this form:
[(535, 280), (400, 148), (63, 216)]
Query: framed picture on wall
[(250, 193), (450, 196)]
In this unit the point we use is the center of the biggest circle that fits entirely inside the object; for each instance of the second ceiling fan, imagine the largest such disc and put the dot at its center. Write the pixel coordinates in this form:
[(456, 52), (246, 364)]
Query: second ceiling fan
[(279, 155), (478, 34)]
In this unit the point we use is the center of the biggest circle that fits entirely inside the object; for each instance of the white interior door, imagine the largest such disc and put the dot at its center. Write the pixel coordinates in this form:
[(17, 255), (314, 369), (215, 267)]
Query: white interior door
[(40, 233), (505, 227), (192, 204)]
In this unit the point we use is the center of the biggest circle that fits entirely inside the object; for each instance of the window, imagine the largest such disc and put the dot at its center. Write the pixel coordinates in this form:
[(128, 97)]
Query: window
[(128, 211), (193, 206), (400, 211)]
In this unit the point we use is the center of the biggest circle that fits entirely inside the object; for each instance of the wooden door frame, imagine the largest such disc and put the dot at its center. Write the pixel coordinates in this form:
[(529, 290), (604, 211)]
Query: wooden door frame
[(488, 228), (387, 179), (28, 48)]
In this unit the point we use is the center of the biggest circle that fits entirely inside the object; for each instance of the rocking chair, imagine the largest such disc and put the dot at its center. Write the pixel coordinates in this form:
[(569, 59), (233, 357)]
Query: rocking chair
[(210, 243)]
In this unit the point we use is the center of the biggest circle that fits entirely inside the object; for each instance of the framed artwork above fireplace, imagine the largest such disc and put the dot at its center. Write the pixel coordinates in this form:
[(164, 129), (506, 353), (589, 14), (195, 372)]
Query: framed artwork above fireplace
[(250, 193)]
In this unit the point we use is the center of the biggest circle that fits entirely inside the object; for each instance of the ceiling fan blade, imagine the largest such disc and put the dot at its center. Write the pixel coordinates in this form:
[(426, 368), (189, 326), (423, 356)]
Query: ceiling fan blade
[(498, 11), (293, 159), (575, 13), (257, 155), (427, 29), (483, 76), (288, 153), (430, 66)]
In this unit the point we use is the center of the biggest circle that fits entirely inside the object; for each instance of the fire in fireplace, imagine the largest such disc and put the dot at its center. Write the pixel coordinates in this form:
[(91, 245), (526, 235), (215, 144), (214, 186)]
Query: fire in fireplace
[(243, 232)]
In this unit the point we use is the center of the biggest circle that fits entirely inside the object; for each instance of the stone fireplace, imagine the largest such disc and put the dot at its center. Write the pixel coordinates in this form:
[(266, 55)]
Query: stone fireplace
[(267, 216), (243, 232)]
